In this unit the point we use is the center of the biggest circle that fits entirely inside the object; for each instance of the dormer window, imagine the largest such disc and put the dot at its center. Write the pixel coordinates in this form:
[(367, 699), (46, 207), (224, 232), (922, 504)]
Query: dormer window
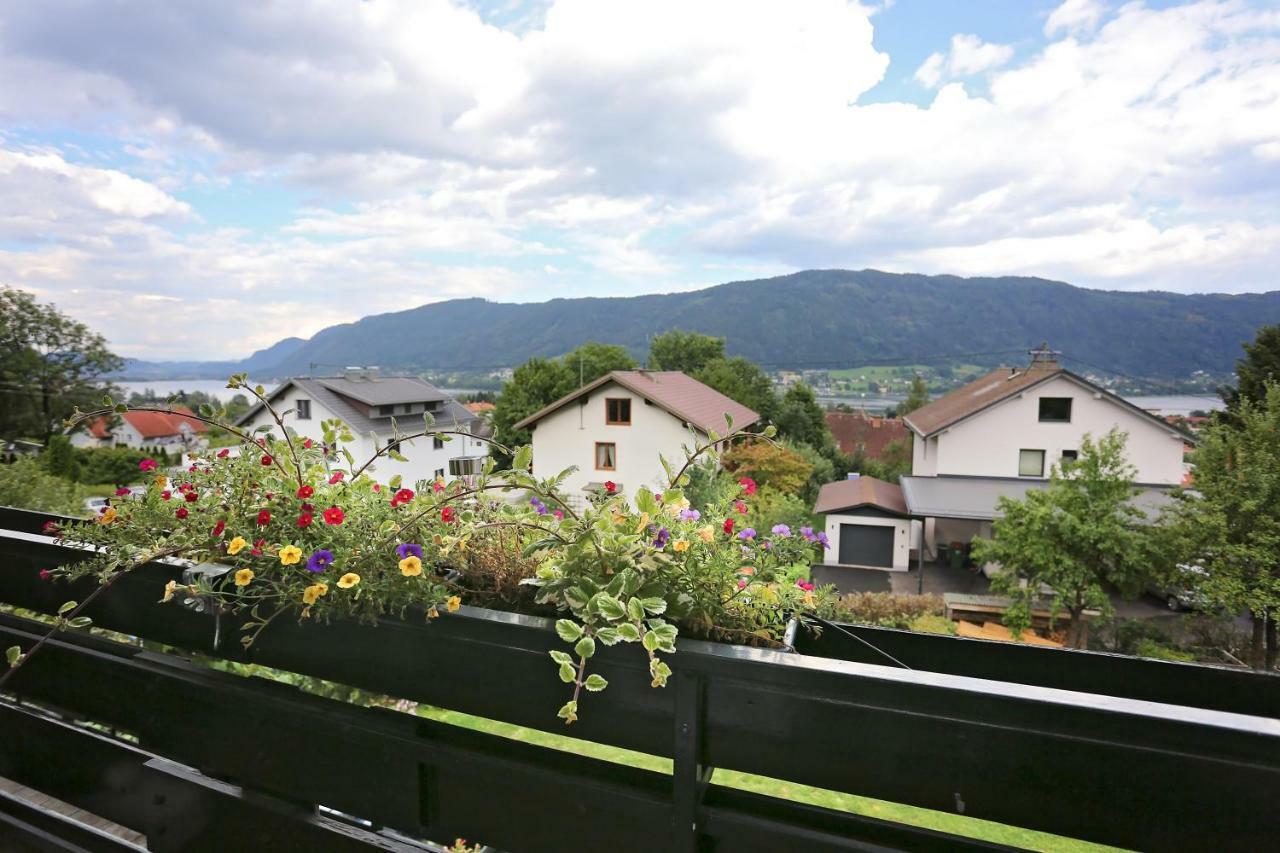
[(617, 411), (1055, 410)]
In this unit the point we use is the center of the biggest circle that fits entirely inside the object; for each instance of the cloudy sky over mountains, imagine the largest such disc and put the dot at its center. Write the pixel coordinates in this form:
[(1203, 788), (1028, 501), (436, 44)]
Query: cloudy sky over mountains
[(200, 179)]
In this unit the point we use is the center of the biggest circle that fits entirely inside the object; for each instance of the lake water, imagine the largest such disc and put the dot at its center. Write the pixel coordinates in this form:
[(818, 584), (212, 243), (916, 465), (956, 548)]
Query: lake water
[(1172, 404)]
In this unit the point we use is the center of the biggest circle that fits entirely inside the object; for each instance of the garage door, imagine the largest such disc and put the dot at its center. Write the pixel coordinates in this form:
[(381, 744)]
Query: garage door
[(866, 545)]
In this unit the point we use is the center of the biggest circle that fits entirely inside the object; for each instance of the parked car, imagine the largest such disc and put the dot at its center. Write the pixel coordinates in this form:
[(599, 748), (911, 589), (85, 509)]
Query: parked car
[(1181, 592)]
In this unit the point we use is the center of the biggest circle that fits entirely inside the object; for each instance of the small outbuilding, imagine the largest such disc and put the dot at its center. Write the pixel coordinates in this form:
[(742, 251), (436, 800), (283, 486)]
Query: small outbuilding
[(867, 522)]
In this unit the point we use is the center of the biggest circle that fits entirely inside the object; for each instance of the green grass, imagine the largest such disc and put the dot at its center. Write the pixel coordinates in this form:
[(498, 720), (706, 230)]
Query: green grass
[(942, 821)]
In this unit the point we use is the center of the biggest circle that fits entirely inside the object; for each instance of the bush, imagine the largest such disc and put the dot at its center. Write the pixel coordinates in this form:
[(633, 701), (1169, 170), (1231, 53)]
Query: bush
[(1149, 648), (886, 610), (27, 485), (932, 623), (114, 466), (59, 458)]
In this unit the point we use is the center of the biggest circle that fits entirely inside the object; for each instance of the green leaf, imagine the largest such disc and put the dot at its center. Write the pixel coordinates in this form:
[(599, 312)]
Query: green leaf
[(610, 607), (523, 457), (595, 683), (67, 607), (608, 636), (568, 712), (654, 605), (650, 641), (770, 431), (585, 648), (394, 482), (121, 408), (635, 610), (561, 657), (80, 622), (13, 654), (567, 673), (628, 633), (576, 597), (568, 630)]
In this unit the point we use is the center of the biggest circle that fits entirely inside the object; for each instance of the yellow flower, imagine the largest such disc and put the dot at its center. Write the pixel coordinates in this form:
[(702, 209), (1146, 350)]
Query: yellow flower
[(108, 515), (310, 594), (321, 588), (411, 566), (243, 577), (290, 554), (235, 546), (348, 580), (433, 613), (643, 523), (453, 603), (707, 533), (169, 589), (161, 481), (680, 546)]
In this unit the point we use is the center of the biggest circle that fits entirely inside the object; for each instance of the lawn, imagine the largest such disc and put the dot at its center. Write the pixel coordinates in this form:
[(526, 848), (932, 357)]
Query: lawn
[(955, 824)]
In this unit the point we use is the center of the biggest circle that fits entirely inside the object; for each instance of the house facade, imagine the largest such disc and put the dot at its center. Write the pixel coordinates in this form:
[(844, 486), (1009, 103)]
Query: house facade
[(1001, 435), (368, 402), (174, 429), (615, 429)]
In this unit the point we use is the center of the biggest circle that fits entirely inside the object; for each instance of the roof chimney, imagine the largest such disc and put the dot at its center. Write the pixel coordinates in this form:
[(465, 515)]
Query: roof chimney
[(1043, 356)]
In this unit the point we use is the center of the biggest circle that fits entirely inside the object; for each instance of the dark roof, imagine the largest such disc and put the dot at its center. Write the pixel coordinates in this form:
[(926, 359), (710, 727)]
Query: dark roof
[(383, 391), (1001, 384), (978, 497), (860, 491), (683, 396), (869, 434), (447, 415)]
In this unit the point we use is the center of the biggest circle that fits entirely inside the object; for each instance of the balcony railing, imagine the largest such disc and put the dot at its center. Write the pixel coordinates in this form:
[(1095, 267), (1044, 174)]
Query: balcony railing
[(1139, 754)]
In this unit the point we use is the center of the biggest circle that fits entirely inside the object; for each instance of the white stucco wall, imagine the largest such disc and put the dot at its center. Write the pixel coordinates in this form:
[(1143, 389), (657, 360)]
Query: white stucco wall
[(568, 437), (424, 461), (987, 444), (901, 537)]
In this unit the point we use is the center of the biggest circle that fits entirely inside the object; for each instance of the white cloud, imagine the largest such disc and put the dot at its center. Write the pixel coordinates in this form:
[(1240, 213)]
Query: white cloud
[(1074, 16), (969, 55)]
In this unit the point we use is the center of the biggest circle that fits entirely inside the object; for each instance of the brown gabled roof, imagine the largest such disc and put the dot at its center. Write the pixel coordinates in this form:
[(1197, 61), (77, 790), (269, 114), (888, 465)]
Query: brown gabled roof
[(860, 491), (858, 432), (679, 394), (1000, 384)]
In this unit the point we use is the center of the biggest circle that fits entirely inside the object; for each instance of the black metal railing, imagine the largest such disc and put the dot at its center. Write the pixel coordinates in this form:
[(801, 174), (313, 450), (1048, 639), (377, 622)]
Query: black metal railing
[(1139, 754)]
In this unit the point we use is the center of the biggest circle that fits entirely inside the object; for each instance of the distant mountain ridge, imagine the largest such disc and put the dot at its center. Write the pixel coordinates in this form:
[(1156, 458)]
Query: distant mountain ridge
[(816, 318)]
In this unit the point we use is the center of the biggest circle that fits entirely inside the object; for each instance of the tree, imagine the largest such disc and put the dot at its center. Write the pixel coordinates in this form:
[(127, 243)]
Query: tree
[(1260, 365), (49, 364), (59, 458), (1077, 536), (770, 465), (592, 360), (685, 351), (743, 381), (27, 484), (800, 418), (1230, 525), (917, 396)]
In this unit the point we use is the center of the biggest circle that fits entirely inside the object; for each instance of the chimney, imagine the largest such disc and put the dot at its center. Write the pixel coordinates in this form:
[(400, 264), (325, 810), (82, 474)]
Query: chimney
[(355, 373), (1043, 357)]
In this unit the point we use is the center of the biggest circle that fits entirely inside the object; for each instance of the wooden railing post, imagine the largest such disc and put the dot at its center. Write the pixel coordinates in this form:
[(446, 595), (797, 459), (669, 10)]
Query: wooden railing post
[(690, 774)]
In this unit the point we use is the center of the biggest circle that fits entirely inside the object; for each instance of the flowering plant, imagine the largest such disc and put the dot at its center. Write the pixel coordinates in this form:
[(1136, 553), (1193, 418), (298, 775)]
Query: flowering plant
[(294, 526)]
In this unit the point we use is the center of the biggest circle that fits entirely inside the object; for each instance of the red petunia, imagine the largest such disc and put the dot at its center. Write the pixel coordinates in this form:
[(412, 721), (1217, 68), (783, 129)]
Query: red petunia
[(305, 519), (123, 491), (147, 465), (219, 527), (306, 507), (257, 547), (728, 526), (50, 528), (402, 497), (264, 518), (610, 486), (306, 492), (748, 485), (437, 486), (192, 496), (45, 574), (182, 512), (447, 515), (266, 459), (334, 515), (377, 487), (165, 495), (224, 453), (336, 478), (740, 507), (307, 443)]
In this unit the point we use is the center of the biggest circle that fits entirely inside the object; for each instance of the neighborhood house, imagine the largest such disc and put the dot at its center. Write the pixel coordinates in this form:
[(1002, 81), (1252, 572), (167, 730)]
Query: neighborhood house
[(172, 429), (367, 403), (615, 428)]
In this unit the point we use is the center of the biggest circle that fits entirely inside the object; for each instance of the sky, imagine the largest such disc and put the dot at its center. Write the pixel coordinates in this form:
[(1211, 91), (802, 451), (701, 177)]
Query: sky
[(198, 180)]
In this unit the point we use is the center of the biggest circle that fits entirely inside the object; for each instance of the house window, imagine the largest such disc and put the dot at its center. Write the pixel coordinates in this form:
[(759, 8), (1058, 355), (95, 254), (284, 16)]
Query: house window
[(437, 443), (393, 445), (606, 456), (466, 466), (439, 474), (1070, 455), (302, 410), (1055, 410), (617, 411), (385, 411), (1030, 463), (406, 408)]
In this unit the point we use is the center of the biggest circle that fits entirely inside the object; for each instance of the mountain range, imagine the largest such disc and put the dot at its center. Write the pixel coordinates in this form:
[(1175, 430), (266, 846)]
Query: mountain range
[(816, 318)]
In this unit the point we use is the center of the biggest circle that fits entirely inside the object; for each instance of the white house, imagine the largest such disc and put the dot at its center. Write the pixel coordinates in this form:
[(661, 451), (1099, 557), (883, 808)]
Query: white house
[(615, 428), (367, 402), (1001, 434), (174, 429)]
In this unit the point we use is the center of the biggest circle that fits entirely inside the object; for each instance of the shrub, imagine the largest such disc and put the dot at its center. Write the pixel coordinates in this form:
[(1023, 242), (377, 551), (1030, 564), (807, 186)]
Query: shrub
[(1148, 648), (887, 610), (112, 466), (27, 485)]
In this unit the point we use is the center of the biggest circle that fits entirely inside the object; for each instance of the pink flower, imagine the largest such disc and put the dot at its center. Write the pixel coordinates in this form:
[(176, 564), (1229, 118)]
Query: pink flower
[(219, 527), (728, 526), (377, 487), (45, 574), (306, 492), (610, 486), (165, 495), (122, 492), (192, 496), (224, 453), (50, 528), (402, 497), (437, 486), (334, 515), (307, 443), (558, 513), (448, 515), (336, 478), (742, 583), (148, 465), (748, 485), (740, 507)]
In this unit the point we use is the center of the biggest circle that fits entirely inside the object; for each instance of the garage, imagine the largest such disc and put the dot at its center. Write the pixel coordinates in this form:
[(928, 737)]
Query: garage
[(862, 545)]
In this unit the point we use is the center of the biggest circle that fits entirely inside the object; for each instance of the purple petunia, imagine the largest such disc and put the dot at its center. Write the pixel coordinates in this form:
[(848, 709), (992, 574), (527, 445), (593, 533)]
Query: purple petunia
[(689, 515), (660, 540), (747, 533), (807, 533), (319, 561), (823, 540), (781, 530), (538, 506), (408, 549)]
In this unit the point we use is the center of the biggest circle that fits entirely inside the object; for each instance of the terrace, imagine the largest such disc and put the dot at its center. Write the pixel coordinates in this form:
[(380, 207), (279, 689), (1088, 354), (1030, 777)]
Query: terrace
[(1126, 752)]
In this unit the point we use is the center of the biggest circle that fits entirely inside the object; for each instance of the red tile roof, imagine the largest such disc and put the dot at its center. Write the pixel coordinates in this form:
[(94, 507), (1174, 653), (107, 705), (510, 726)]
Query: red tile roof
[(152, 424), (856, 432), (480, 406), (683, 396)]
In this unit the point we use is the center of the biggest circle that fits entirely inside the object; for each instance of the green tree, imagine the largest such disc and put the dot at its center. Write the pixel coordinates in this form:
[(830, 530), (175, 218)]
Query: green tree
[(1077, 536), (49, 364), (59, 458), (917, 396), (592, 360), (773, 465), (800, 418), (27, 485), (685, 351), (1230, 524), (1260, 365), (111, 466), (743, 381)]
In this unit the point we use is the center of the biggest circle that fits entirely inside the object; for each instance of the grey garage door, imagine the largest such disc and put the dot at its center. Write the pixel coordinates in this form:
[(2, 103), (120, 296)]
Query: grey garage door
[(866, 545)]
